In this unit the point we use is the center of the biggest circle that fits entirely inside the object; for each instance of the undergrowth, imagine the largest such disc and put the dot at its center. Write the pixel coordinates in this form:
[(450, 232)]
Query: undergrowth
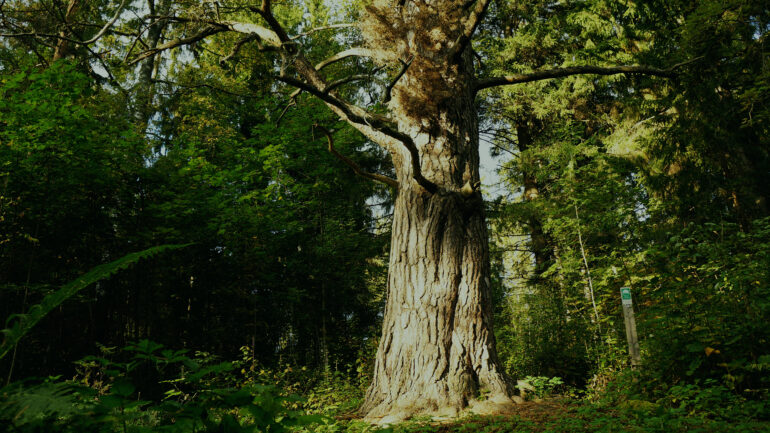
[(146, 387)]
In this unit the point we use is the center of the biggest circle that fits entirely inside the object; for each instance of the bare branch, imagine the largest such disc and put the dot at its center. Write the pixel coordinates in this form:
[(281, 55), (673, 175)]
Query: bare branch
[(33, 35), (576, 70), (352, 164), (334, 84), (293, 103), (266, 13), (207, 86), (497, 146), (355, 114), (267, 36), (107, 26), (237, 48), (357, 52), (318, 29), (138, 38), (131, 48), (359, 116), (404, 67), (207, 31), (469, 27)]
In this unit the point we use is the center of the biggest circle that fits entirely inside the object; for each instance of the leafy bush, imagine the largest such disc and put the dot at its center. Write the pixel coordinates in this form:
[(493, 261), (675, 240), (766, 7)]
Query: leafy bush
[(541, 386), (198, 396), (703, 322)]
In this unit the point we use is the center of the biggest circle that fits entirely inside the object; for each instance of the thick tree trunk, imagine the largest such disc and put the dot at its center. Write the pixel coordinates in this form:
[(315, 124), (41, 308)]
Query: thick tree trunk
[(437, 352)]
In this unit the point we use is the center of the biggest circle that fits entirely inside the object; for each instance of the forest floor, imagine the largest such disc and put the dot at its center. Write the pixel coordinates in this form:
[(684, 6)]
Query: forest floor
[(566, 416)]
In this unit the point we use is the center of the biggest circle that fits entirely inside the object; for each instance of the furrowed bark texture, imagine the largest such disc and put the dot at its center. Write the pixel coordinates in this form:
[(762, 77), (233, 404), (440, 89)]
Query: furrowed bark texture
[(437, 351)]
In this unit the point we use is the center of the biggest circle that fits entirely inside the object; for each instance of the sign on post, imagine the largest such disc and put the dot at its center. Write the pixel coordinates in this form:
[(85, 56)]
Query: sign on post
[(628, 318), (625, 295)]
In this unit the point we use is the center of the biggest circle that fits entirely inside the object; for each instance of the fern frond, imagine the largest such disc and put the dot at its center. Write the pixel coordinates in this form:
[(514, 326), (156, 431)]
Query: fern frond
[(22, 323)]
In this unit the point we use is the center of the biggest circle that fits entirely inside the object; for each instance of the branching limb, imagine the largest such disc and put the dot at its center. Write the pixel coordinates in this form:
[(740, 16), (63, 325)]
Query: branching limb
[(352, 164), (352, 52), (266, 12), (270, 39), (576, 70), (292, 103), (468, 28), (334, 84), (107, 26), (359, 116), (237, 48), (376, 127), (353, 113), (318, 29), (205, 32), (404, 66), (267, 38), (37, 35), (138, 39)]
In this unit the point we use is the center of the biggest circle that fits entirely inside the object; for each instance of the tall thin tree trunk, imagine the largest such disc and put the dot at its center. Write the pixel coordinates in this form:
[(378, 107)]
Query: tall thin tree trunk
[(145, 92), (62, 48)]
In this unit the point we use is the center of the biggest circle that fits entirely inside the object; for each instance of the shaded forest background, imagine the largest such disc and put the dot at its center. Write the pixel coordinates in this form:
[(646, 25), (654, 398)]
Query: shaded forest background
[(659, 185)]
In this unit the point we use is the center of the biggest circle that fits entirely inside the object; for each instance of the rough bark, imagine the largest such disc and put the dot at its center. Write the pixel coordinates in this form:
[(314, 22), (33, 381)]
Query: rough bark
[(437, 351)]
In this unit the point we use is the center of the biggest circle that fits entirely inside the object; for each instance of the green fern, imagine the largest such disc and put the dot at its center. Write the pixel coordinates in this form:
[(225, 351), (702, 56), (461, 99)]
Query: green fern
[(22, 323), (24, 403)]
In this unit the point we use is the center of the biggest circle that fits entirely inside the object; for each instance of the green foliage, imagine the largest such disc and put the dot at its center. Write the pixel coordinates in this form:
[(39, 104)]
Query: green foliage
[(199, 396), (541, 386), (656, 185), (22, 323), (285, 240), (706, 305)]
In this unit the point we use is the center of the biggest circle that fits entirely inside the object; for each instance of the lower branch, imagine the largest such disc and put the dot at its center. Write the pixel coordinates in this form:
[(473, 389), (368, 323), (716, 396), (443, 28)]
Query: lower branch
[(359, 116), (350, 163)]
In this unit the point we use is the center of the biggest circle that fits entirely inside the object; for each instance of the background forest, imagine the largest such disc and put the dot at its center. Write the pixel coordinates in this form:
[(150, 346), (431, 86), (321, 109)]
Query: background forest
[(273, 282)]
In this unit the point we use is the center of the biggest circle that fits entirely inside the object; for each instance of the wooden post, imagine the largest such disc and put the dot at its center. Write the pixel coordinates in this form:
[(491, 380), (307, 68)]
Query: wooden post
[(628, 317)]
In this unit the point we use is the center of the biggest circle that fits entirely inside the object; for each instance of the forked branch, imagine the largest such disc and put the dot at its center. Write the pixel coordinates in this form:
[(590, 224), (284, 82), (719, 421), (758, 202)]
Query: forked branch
[(266, 12), (468, 28), (205, 32), (352, 164), (275, 37), (318, 29), (349, 79), (107, 26), (404, 66), (359, 116)]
